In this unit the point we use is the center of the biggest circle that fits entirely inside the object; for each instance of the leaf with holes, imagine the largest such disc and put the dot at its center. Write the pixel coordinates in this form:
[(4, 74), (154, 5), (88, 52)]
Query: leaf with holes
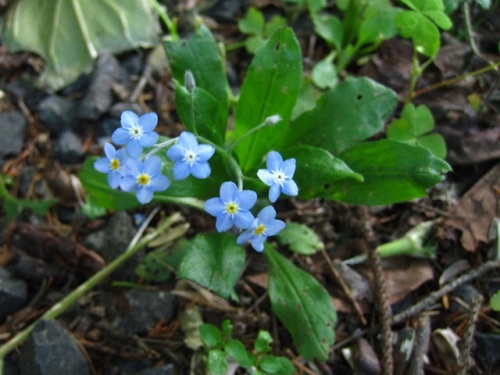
[(303, 306)]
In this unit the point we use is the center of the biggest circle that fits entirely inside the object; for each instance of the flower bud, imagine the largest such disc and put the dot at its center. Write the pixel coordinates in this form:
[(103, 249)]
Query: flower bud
[(273, 120), (189, 81)]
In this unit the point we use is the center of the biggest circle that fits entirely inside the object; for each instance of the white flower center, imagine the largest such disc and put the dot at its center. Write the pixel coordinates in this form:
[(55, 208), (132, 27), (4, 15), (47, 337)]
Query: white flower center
[(279, 177), (190, 157), (136, 132)]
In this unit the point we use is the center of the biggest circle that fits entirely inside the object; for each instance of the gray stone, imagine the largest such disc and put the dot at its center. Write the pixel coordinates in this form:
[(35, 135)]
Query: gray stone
[(487, 352), (13, 130), (145, 308), (99, 96), (13, 292), (117, 109), (50, 350), (68, 148), (164, 370), (58, 113)]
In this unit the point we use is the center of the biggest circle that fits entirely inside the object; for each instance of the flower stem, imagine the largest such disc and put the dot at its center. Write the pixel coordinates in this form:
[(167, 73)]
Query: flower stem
[(56, 310), (160, 146), (171, 25)]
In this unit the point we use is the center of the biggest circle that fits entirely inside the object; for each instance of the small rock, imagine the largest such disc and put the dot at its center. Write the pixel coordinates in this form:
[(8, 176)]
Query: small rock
[(133, 63), (106, 128), (117, 109), (145, 308), (487, 352), (28, 174), (99, 96), (13, 130), (68, 148), (58, 113), (13, 292), (226, 10), (50, 350), (164, 370)]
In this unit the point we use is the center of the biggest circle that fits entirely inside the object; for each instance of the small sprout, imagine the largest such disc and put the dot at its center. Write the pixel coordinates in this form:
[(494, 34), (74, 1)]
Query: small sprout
[(189, 81)]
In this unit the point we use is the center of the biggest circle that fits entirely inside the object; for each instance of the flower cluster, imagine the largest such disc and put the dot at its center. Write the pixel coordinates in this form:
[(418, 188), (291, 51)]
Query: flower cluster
[(128, 172), (232, 208)]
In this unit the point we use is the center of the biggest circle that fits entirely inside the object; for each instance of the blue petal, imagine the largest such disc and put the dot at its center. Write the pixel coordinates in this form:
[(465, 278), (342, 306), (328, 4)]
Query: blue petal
[(144, 195), (201, 170), (229, 191), (247, 199), (176, 153), (289, 167), (188, 140), (214, 206), (114, 179), (244, 237), (274, 227), (128, 184), (120, 136), (159, 183), (181, 170), (148, 121), (133, 167), (274, 193), (128, 120), (109, 150), (122, 156), (243, 219), (205, 152), (223, 223), (266, 215), (274, 161), (102, 165), (258, 243), (134, 148), (148, 139), (266, 176), (290, 188), (152, 166)]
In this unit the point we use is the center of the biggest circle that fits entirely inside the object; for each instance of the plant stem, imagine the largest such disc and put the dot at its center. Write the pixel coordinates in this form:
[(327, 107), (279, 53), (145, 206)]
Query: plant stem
[(60, 307), (171, 25)]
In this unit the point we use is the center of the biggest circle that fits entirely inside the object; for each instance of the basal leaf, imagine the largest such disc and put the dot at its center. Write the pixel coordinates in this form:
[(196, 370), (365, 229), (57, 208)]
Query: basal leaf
[(345, 115), (70, 34), (252, 22), (300, 238), (434, 143), (303, 306), (330, 29), (201, 56), (214, 261), (271, 87), (392, 171)]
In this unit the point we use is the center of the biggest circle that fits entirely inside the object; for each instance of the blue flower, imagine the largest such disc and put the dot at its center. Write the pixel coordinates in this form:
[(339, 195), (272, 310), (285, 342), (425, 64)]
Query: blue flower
[(264, 225), (232, 208), (190, 158), (113, 164), (144, 178), (279, 176), (136, 132)]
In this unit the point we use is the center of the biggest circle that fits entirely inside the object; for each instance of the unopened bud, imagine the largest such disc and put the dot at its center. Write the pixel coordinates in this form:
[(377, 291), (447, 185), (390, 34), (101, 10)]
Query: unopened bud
[(272, 120), (189, 81)]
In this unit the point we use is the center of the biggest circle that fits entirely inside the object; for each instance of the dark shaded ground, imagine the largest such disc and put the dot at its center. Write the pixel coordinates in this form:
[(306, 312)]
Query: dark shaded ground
[(117, 329)]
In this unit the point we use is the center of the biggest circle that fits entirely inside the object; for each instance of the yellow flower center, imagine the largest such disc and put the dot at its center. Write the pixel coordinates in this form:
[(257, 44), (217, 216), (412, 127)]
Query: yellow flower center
[(231, 208), (260, 229), (114, 164), (143, 179)]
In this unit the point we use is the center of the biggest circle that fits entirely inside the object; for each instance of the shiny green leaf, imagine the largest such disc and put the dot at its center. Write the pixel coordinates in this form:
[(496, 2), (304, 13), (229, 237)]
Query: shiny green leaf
[(217, 362), (300, 239)]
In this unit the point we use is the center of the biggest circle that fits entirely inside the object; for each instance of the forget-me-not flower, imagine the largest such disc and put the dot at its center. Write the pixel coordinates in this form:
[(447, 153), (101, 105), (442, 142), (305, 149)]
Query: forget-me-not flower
[(190, 157), (136, 132), (264, 225), (232, 208), (279, 176), (113, 164), (144, 178)]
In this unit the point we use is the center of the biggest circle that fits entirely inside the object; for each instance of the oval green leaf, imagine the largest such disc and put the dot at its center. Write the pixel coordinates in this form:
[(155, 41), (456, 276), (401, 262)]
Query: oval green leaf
[(300, 239)]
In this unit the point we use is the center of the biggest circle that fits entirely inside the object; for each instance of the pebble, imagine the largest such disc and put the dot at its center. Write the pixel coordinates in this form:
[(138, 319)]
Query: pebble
[(13, 130), (99, 96), (58, 113), (68, 148), (13, 293), (487, 352), (50, 350), (145, 308), (164, 370)]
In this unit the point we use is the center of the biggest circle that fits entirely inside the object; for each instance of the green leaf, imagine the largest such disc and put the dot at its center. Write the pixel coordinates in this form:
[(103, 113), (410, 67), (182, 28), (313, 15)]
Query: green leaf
[(155, 266), (485, 4), (345, 115), (70, 34), (303, 306), (439, 18), (392, 171), (210, 336), (270, 364), (277, 22), (201, 55), (324, 74), (214, 261), (317, 168), (495, 301), (300, 238), (208, 120), (227, 328), (434, 143), (287, 367), (217, 362), (378, 22), (236, 350), (421, 30), (91, 209), (330, 29), (263, 342), (252, 22), (271, 87)]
